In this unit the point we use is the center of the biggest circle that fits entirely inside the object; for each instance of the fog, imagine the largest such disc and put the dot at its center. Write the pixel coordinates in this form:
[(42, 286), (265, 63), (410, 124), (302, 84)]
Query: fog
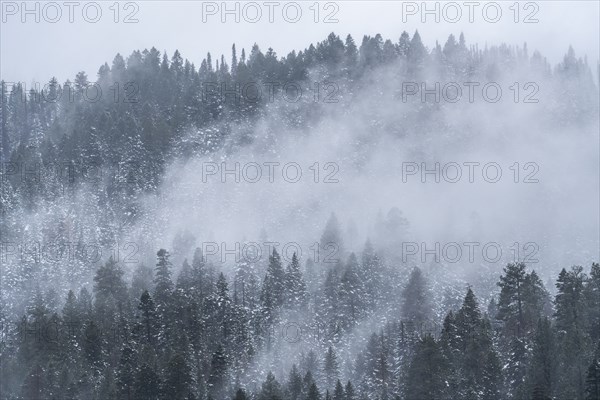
[(456, 164)]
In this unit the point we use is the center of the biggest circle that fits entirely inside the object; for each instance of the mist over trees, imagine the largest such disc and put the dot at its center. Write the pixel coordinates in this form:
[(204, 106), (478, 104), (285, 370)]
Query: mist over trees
[(355, 320)]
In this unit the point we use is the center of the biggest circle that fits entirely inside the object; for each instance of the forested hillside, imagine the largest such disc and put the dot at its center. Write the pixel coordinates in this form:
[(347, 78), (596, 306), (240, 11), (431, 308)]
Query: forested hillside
[(112, 288)]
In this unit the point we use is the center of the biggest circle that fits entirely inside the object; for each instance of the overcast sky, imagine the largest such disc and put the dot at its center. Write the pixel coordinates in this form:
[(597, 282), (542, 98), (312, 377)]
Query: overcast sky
[(36, 51)]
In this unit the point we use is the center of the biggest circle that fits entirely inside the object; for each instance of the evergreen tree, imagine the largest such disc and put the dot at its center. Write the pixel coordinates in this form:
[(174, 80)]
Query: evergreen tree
[(274, 284), (328, 308), (178, 379), (313, 393), (416, 56), (147, 319), (271, 389), (111, 291), (338, 393), (350, 395), (510, 306), (415, 304), (426, 375), (523, 299), (147, 384), (571, 339), (240, 394), (330, 368), (592, 381), (351, 294), (467, 338), (126, 373), (218, 373), (162, 280), (295, 288), (592, 299), (331, 247), (294, 386), (371, 275)]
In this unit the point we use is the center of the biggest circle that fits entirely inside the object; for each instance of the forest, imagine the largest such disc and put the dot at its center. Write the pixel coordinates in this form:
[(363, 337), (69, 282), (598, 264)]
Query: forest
[(102, 163)]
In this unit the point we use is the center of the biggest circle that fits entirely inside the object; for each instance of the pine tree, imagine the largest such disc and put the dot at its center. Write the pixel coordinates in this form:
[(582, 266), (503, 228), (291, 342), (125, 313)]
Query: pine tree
[(294, 386), (218, 373), (338, 393), (377, 366), (331, 247), (274, 284), (178, 379), (350, 395), (426, 375), (224, 309), (271, 389), (371, 275), (416, 56), (328, 308), (467, 339), (162, 280), (295, 288), (163, 298), (330, 368), (592, 381), (313, 393), (569, 303), (111, 292), (351, 53), (351, 295), (415, 304), (510, 306), (542, 373), (126, 373), (147, 384), (592, 299), (403, 44), (147, 319), (240, 394)]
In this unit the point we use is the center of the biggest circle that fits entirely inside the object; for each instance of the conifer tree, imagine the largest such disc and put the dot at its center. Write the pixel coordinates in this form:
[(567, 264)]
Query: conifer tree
[(351, 294), (271, 390), (294, 386), (415, 298), (571, 338), (542, 373), (330, 368), (147, 384), (592, 381), (426, 375), (295, 288), (240, 394)]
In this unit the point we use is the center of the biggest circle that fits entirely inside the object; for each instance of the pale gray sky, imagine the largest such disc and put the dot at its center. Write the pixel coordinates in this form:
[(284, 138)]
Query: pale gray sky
[(36, 51)]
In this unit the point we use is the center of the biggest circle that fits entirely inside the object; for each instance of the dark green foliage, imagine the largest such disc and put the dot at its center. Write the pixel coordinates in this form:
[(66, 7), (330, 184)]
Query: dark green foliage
[(178, 380), (295, 288), (427, 372), (330, 368), (147, 384), (415, 304), (571, 336), (467, 343), (218, 372), (271, 390), (523, 300), (240, 394), (294, 385), (592, 380)]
